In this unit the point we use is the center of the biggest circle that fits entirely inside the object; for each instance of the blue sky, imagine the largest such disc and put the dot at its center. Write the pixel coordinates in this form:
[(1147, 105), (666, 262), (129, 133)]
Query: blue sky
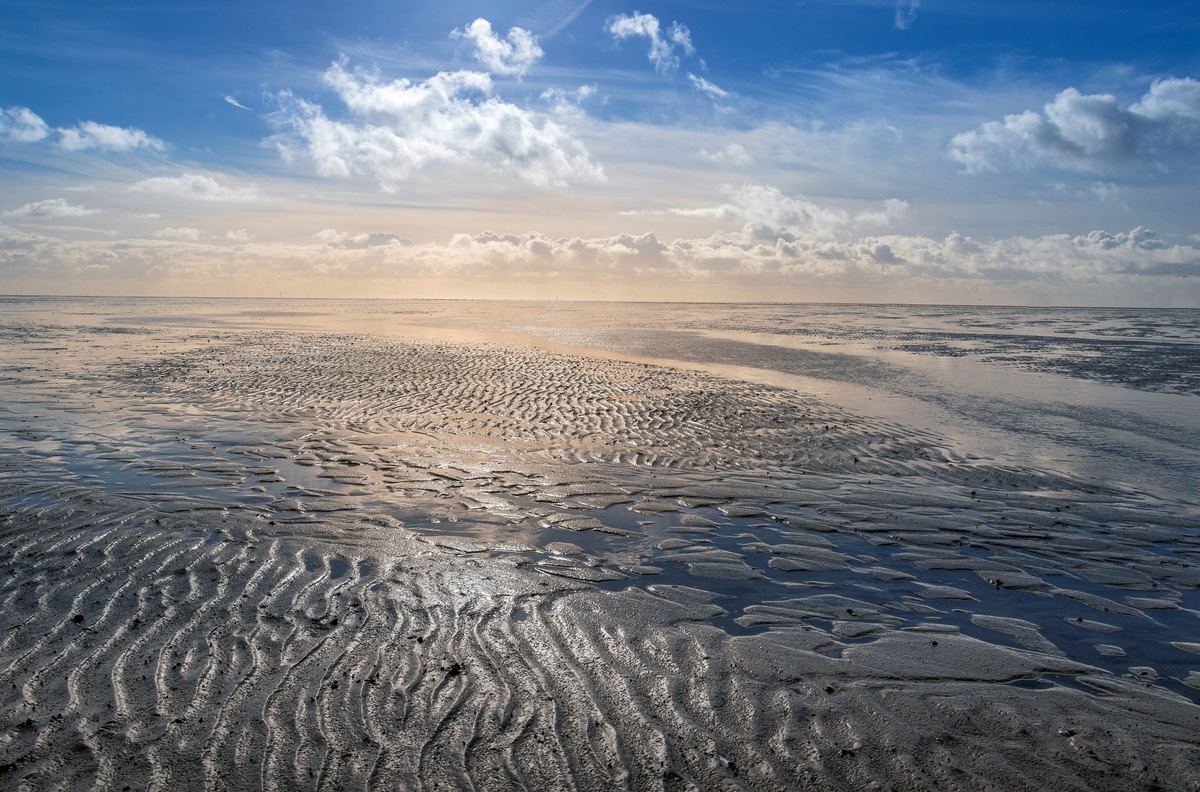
[(1012, 152)]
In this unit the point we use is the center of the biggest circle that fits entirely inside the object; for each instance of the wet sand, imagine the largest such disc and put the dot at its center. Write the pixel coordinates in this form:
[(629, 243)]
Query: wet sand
[(291, 549)]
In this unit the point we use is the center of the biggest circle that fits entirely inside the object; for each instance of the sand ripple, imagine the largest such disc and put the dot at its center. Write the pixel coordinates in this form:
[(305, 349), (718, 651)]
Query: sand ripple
[(565, 408)]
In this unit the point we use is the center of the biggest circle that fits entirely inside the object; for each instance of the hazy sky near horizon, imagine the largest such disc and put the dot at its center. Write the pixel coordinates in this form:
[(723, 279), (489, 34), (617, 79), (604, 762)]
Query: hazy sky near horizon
[(894, 150)]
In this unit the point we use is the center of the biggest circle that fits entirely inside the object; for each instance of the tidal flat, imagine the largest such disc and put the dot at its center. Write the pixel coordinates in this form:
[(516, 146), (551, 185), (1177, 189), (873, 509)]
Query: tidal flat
[(318, 544)]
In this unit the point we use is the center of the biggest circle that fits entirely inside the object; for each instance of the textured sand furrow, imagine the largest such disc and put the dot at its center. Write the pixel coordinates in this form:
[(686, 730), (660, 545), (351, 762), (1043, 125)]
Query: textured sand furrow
[(586, 724), (294, 712), (563, 717), (514, 699), (70, 612), (83, 669), (446, 704), (639, 758), (237, 712), (343, 734)]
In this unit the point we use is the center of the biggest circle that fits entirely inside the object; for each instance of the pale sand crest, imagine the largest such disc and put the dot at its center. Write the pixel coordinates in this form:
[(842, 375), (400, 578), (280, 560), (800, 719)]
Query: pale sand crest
[(282, 561)]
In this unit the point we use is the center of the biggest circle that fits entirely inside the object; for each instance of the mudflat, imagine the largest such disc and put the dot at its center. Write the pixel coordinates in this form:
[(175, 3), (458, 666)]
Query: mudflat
[(439, 545)]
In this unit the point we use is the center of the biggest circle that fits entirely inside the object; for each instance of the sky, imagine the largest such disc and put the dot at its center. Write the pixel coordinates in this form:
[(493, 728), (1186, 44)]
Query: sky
[(1019, 153)]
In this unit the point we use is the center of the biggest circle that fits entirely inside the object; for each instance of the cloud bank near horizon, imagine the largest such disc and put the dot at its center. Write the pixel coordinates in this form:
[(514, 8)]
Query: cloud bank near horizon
[(529, 264)]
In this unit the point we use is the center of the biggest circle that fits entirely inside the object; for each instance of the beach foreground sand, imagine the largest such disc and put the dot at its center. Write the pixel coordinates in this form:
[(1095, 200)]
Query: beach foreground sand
[(300, 560)]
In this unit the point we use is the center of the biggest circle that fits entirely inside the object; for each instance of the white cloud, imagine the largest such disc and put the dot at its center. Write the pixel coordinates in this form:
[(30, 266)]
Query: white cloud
[(1089, 132), (53, 207), (662, 48), (1108, 192), (239, 235), (682, 37), (513, 55), (236, 103), (404, 126), (730, 154), (192, 186), (21, 125), (708, 89), (568, 102), (1171, 100), (767, 214), (906, 13), (183, 234), (89, 135), (348, 241)]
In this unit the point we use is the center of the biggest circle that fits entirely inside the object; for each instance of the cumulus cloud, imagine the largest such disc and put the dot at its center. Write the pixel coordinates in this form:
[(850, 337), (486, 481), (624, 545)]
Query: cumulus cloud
[(400, 127), (663, 46), (906, 13), (21, 125), (53, 207), (767, 213), (239, 235), (183, 234), (192, 186), (90, 135), (513, 55), (347, 241), (1089, 132)]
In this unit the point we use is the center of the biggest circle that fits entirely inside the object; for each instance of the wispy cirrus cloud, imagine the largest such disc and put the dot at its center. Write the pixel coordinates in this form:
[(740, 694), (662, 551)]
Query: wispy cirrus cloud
[(513, 55), (401, 127), (193, 186), (664, 45), (714, 92), (1089, 132), (52, 207), (906, 13)]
